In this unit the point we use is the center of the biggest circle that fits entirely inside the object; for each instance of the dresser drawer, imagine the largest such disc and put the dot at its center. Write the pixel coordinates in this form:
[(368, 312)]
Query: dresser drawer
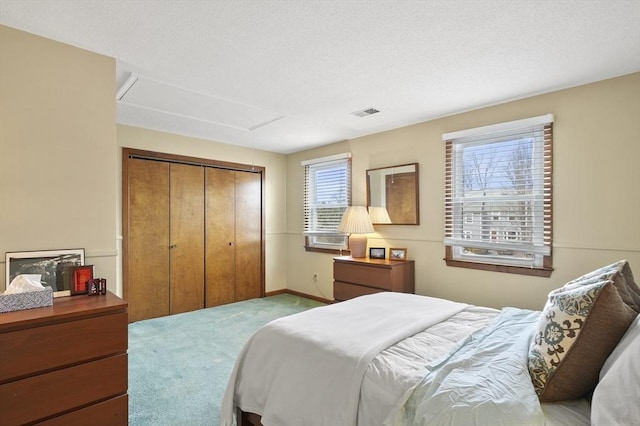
[(371, 276), (27, 352), (113, 412), (345, 291), (37, 397)]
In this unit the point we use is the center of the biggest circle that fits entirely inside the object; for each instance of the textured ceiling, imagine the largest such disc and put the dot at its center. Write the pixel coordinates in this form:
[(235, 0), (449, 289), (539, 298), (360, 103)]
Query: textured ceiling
[(295, 71)]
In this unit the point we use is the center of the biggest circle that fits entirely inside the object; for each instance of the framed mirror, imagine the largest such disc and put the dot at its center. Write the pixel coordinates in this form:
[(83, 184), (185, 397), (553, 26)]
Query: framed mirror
[(392, 195)]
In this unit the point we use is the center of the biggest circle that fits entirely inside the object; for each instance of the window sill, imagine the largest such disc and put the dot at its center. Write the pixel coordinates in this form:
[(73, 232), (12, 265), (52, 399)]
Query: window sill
[(520, 270), (342, 252)]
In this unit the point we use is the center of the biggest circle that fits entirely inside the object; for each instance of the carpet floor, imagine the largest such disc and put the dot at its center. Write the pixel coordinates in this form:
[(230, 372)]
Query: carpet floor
[(179, 365)]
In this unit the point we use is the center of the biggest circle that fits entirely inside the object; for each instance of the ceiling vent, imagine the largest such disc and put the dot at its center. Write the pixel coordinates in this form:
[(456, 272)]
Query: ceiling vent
[(365, 112)]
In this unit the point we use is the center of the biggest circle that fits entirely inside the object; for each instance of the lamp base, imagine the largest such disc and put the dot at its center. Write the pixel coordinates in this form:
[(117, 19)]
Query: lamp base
[(358, 245)]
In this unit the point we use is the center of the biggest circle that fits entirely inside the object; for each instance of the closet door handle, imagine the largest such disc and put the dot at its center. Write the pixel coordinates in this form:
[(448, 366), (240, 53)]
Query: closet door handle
[(172, 246), (231, 243)]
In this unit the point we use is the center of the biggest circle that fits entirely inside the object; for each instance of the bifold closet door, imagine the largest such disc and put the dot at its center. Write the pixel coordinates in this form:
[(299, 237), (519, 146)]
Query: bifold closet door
[(147, 290), (233, 236), (220, 236), (248, 264), (193, 234), (186, 238)]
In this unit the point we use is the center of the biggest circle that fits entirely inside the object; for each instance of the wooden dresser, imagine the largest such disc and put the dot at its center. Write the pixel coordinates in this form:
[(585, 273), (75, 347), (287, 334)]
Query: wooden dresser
[(356, 277), (65, 364)]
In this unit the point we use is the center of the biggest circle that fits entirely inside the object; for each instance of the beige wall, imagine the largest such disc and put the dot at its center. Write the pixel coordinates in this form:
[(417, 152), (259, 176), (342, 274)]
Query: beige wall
[(596, 195), (57, 150), (275, 177)]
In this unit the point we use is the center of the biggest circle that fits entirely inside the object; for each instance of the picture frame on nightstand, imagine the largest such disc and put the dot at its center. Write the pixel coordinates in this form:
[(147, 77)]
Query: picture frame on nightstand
[(397, 254), (81, 275), (49, 264), (377, 253)]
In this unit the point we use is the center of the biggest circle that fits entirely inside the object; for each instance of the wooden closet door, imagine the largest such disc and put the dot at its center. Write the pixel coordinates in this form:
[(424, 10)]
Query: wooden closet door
[(147, 289), (248, 235), (220, 236), (187, 238)]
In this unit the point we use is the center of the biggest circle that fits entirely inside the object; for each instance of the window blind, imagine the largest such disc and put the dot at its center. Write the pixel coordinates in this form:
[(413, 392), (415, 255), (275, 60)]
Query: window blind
[(498, 189), (327, 194)]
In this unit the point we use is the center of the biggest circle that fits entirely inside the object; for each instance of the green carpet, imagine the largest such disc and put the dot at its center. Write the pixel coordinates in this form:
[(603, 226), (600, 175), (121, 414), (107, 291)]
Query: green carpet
[(179, 365)]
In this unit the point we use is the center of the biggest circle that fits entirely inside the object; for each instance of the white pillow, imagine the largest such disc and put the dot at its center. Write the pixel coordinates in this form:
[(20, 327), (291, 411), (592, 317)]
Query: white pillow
[(616, 399)]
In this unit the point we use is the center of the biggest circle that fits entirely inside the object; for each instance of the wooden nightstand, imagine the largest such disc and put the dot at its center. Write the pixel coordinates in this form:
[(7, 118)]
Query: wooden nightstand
[(356, 277)]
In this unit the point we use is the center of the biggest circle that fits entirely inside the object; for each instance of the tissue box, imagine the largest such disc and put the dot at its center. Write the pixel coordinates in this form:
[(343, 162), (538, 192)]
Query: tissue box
[(28, 300)]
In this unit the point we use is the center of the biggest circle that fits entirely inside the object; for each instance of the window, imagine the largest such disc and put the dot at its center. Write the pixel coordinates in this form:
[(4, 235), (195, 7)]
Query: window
[(500, 176), (327, 194)]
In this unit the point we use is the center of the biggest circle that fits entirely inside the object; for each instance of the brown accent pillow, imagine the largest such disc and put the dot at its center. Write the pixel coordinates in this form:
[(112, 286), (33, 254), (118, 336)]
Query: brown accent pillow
[(621, 276), (579, 327)]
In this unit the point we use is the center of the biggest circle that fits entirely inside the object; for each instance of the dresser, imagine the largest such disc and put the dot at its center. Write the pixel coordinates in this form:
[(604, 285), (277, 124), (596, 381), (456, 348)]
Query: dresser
[(353, 277), (65, 364)]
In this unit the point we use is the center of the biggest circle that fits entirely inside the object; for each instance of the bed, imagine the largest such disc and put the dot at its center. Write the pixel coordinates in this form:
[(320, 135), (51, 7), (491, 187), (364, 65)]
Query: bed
[(398, 359)]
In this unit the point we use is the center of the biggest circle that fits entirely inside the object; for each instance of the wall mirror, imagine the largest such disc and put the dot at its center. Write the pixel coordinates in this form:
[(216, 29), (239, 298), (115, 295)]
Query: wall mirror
[(392, 195)]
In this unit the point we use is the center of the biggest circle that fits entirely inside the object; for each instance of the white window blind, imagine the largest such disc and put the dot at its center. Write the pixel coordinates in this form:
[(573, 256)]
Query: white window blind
[(327, 194), (498, 193)]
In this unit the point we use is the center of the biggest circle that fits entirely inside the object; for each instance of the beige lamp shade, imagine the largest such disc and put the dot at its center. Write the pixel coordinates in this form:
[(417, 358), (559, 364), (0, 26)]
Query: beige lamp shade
[(356, 222), (379, 215)]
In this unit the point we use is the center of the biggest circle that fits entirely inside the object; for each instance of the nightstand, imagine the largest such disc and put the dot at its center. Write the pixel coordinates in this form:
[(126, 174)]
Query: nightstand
[(353, 277)]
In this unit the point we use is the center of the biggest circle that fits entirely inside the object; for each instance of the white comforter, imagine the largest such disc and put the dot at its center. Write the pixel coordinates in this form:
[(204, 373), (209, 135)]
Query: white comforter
[(397, 369), (272, 373), (484, 381)]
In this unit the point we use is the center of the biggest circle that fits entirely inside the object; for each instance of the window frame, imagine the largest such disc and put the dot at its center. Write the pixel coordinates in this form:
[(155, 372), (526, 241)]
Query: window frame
[(312, 236), (455, 143)]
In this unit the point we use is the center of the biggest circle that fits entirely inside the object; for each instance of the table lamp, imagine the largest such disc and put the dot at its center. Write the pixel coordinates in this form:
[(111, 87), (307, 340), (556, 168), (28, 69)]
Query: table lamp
[(356, 222)]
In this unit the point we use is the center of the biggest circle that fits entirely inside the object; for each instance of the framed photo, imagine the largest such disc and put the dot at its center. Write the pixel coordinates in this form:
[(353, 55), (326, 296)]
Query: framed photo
[(48, 263), (97, 286), (81, 277), (377, 253), (397, 254)]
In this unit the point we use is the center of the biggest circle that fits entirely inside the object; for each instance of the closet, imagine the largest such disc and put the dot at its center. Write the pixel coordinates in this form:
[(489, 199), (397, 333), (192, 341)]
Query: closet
[(192, 233)]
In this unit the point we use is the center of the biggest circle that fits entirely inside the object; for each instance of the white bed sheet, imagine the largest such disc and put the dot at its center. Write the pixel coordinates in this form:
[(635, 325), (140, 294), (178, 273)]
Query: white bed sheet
[(567, 413)]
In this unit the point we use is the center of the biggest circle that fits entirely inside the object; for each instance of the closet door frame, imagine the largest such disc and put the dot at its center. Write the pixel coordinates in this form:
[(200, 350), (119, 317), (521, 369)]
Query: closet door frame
[(181, 159)]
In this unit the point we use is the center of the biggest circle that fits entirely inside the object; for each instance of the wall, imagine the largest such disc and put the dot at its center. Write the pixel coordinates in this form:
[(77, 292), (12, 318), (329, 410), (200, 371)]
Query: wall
[(275, 176), (57, 150), (596, 195)]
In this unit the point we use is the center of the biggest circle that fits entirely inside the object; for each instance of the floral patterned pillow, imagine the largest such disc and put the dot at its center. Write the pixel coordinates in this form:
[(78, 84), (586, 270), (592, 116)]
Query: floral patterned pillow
[(579, 327)]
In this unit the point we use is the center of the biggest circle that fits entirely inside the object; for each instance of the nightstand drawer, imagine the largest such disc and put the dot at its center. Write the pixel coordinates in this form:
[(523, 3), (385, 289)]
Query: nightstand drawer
[(353, 277), (344, 291), (362, 274), (112, 412), (63, 390), (66, 343)]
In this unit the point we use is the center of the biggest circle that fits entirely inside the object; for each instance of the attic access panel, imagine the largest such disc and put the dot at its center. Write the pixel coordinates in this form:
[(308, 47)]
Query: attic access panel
[(166, 98)]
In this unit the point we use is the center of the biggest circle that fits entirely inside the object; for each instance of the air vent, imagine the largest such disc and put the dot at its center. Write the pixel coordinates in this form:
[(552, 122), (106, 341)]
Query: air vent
[(365, 112)]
